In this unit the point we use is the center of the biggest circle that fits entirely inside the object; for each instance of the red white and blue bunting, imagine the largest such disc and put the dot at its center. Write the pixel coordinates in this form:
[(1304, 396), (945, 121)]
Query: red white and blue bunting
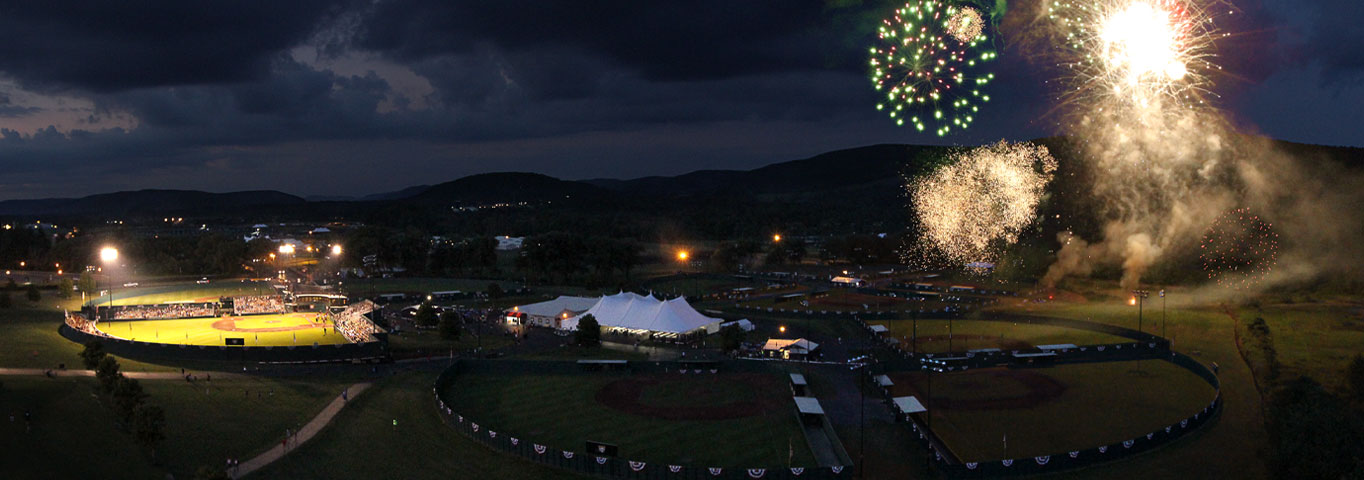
[(756, 472), (1042, 460), (971, 465), (636, 466), (492, 434), (1007, 463), (1103, 449), (475, 426), (568, 454), (836, 469), (796, 471), (674, 468), (714, 471), (514, 441), (1128, 443), (1151, 435), (540, 449), (601, 460), (1074, 454)]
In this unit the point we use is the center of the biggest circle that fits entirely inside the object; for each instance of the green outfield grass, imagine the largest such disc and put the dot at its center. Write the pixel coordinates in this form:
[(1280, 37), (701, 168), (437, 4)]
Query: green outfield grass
[(562, 411), (1101, 403), (275, 330), (192, 292), (31, 340), (75, 436), (363, 442), (1317, 340), (976, 334)]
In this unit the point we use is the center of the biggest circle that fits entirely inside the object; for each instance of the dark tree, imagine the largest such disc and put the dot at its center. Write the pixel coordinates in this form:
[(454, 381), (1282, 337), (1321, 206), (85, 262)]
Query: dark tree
[(426, 315), (33, 294), (107, 373), (1354, 379), (589, 331), (92, 354), (87, 283), (64, 288), (1313, 434), (732, 337), (149, 426), (494, 291), (449, 326), (128, 395)]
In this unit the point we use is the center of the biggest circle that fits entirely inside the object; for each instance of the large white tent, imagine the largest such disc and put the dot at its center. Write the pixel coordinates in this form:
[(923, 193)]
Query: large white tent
[(635, 312)]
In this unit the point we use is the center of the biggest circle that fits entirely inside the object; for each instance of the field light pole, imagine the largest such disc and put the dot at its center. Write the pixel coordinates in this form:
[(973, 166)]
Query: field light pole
[(1162, 317), (107, 256), (1139, 296)]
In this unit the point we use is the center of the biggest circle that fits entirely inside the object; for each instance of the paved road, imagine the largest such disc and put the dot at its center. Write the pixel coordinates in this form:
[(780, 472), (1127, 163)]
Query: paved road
[(303, 435)]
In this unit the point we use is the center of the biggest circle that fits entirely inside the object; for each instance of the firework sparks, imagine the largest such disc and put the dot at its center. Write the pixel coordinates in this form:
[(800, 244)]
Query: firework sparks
[(965, 24), (1138, 51), (983, 199), (929, 66), (1239, 249)]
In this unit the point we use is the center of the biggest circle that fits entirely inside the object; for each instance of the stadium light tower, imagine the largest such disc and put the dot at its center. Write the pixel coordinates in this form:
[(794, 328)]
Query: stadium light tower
[(109, 255), (336, 250)]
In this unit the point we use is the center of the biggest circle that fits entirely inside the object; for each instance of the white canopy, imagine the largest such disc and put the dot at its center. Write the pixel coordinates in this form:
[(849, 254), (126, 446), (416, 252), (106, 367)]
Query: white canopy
[(878, 328), (809, 406), (637, 312), (557, 307), (908, 405)]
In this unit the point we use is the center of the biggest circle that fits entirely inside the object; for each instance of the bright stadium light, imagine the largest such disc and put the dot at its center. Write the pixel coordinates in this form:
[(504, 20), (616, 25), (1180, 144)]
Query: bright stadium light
[(108, 254), (682, 255), (286, 249), (336, 250)]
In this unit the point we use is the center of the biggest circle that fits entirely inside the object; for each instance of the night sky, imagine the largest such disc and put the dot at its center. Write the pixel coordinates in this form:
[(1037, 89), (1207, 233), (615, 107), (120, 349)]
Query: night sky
[(353, 98)]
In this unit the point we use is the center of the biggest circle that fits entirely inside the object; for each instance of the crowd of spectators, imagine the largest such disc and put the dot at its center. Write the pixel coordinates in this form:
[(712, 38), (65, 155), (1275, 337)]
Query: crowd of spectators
[(254, 304), (169, 310), (352, 323), (79, 322)]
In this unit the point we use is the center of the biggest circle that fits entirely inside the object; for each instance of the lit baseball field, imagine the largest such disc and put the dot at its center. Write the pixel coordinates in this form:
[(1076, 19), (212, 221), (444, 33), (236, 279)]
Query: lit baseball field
[(182, 293), (255, 330)]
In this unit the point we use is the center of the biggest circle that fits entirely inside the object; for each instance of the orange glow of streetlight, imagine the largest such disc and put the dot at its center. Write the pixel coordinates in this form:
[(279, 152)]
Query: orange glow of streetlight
[(108, 254), (1132, 301), (776, 237), (682, 255), (782, 329)]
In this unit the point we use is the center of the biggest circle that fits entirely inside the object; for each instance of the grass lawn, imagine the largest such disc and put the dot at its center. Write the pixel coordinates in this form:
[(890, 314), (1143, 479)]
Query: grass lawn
[(973, 334), (1317, 340), (75, 436), (1101, 403), (1236, 437), (275, 330), (562, 411), (209, 292), (362, 442), (31, 341), (428, 341)]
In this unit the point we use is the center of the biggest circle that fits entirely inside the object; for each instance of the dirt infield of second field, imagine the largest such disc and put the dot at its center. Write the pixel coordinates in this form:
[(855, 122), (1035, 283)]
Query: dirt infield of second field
[(727, 419)]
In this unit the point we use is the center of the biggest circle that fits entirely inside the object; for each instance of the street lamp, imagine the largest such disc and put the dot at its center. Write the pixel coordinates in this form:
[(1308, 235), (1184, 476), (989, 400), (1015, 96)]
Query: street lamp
[(776, 237), (336, 250), (108, 255)]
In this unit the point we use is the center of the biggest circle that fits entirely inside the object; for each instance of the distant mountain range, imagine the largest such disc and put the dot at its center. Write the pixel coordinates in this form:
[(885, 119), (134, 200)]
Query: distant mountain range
[(863, 175)]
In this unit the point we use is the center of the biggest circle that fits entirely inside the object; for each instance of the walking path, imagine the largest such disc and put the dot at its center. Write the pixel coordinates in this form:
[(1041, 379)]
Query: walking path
[(90, 373), (303, 435)]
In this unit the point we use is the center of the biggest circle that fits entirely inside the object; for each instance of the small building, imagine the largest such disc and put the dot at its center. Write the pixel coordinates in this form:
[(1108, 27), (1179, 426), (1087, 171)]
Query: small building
[(797, 349), (549, 314)]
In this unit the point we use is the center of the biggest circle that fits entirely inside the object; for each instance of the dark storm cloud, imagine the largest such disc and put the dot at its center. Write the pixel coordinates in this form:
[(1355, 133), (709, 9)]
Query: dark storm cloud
[(221, 96), (670, 40), (105, 46)]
